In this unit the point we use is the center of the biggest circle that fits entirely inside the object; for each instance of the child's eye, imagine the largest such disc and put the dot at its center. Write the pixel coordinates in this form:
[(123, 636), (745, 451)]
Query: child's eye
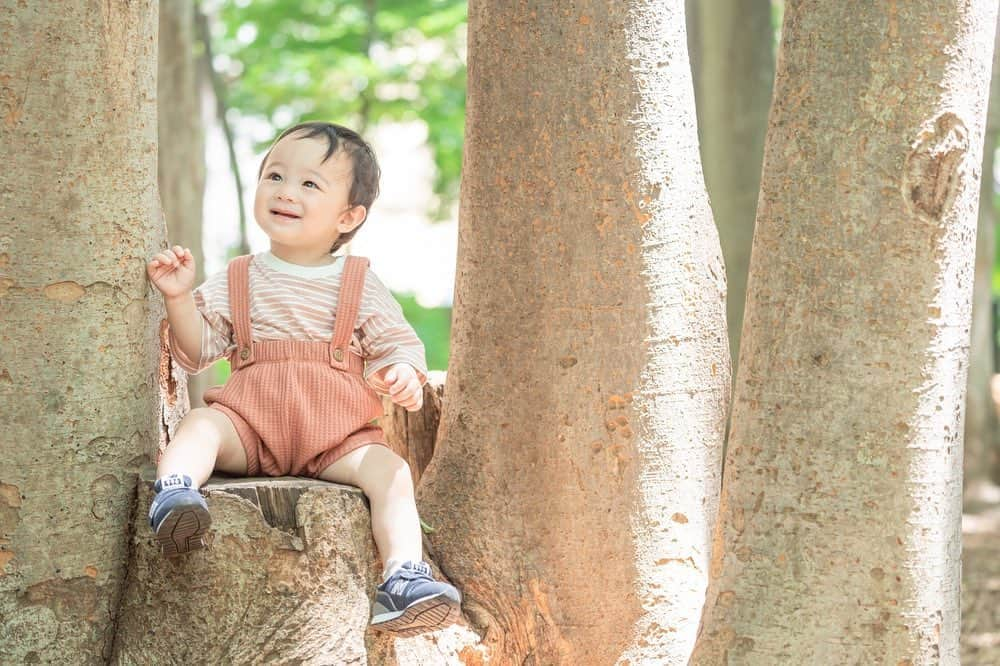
[(311, 183), (272, 176)]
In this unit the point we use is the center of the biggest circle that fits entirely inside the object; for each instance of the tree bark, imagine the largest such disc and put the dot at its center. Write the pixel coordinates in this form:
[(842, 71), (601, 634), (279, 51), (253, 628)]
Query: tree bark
[(574, 480), (78, 350), (287, 576), (838, 539), (181, 161), (982, 454), (412, 435), (733, 93)]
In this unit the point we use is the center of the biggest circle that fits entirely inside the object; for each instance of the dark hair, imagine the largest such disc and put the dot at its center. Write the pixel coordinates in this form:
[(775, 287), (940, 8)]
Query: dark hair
[(365, 169)]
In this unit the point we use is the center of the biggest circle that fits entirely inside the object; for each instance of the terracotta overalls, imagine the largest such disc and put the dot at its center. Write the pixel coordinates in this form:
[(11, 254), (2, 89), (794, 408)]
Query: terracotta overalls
[(298, 406)]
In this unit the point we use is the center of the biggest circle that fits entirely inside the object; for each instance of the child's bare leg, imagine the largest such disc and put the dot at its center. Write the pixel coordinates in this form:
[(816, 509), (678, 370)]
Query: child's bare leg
[(408, 601), (385, 478), (205, 440)]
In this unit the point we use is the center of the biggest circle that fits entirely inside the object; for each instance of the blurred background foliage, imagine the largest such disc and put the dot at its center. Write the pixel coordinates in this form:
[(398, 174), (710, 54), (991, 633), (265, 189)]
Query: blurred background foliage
[(357, 63)]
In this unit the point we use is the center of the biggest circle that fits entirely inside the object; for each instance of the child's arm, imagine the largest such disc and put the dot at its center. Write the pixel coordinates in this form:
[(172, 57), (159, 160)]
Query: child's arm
[(172, 272), (395, 361), (185, 324)]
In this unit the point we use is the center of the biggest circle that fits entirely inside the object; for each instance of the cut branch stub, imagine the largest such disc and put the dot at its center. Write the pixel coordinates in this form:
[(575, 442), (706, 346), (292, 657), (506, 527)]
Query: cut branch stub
[(933, 166), (412, 434)]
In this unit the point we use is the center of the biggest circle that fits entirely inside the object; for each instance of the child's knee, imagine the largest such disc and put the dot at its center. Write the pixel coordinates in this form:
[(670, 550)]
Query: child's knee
[(211, 424), (383, 467), (200, 414)]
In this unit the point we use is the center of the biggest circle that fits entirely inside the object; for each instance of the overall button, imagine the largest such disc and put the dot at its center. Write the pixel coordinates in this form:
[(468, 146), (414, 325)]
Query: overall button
[(338, 354), (245, 353)]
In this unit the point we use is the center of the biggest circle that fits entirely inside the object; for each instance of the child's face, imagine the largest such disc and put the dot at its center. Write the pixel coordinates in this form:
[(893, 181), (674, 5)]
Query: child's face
[(302, 202)]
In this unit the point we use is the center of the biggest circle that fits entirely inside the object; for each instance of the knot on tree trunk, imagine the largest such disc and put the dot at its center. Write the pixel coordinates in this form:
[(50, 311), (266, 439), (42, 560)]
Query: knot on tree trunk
[(933, 166)]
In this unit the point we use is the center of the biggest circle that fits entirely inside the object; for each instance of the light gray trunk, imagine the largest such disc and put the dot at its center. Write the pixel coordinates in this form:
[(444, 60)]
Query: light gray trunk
[(78, 346), (839, 531), (181, 161), (574, 480), (982, 462)]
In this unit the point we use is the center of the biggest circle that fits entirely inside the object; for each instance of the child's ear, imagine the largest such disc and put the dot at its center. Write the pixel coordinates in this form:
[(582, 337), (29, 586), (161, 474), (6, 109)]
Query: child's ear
[(351, 218)]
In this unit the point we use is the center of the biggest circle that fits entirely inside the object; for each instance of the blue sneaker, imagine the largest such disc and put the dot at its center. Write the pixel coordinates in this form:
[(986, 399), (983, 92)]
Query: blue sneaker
[(411, 602), (178, 515)]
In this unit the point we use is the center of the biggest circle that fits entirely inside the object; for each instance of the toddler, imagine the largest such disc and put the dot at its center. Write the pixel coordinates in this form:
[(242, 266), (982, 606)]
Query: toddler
[(312, 339)]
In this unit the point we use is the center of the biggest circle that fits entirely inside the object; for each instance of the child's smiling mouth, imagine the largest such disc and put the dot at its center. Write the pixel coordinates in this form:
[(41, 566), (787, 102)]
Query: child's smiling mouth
[(284, 214)]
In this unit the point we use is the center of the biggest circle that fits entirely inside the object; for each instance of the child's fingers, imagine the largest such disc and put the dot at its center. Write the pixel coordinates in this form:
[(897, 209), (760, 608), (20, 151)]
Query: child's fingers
[(416, 403), (412, 399), (403, 386), (183, 254), (177, 256)]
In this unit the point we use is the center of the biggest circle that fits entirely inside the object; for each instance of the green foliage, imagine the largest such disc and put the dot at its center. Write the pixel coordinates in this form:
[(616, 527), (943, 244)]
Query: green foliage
[(777, 16), (285, 62), (996, 240), (433, 326), (220, 371)]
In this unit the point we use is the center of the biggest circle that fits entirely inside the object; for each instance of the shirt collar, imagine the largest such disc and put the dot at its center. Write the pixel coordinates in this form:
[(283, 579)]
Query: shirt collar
[(283, 266)]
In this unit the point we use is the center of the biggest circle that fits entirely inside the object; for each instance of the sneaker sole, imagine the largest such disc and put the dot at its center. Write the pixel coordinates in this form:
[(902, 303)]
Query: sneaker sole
[(183, 530), (428, 615)]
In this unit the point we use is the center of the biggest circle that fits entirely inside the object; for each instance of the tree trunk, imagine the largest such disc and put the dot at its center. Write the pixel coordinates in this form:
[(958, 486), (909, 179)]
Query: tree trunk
[(182, 151), (982, 462), (839, 531), (733, 92), (78, 351), (577, 467)]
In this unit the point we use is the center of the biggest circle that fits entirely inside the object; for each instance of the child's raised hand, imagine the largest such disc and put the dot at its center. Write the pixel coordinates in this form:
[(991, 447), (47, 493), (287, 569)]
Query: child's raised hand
[(404, 386), (172, 271)]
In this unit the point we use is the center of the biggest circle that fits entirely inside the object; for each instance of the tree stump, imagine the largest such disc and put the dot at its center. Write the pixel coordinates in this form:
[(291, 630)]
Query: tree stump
[(412, 434), (288, 572), (287, 575)]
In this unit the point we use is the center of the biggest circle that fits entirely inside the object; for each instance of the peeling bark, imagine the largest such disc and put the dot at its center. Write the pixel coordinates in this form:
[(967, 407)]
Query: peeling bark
[(181, 158), (412, 434)]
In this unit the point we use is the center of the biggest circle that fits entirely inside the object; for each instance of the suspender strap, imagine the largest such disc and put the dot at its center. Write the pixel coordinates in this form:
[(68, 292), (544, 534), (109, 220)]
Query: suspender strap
[(239, 305), (352, 284)]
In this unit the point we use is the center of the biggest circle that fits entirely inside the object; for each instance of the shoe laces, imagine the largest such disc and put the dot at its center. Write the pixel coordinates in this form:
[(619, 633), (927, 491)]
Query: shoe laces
[(416, 570)]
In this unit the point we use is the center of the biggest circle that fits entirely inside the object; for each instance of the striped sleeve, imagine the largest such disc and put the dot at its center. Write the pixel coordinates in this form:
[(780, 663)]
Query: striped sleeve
[(386, 337), (212, 301)]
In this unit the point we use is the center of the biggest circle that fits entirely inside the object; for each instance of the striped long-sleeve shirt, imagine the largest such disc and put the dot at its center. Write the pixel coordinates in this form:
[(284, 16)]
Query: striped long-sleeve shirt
[(288, 301)]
